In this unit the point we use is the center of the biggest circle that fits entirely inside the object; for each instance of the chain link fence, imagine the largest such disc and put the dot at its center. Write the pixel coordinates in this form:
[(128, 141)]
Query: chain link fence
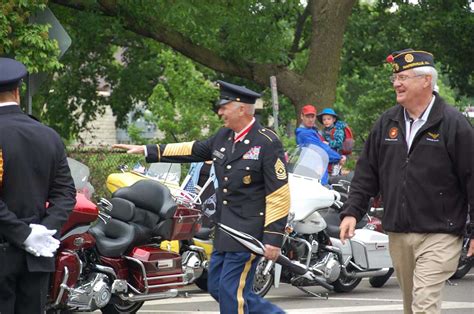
[(102, 162)]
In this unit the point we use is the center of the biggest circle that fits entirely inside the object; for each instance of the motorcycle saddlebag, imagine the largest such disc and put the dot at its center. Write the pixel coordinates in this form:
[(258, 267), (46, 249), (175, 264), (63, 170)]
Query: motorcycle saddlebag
[(370, 249), (183, 225), (158, 269)]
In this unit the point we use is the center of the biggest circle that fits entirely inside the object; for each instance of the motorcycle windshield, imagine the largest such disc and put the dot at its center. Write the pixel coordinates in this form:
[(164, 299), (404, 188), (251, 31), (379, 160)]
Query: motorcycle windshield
[(166, 173), (310, 161), (80, 173)]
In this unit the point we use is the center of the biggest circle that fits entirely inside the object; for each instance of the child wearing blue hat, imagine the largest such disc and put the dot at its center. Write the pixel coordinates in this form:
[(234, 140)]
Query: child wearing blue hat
[(332, 132)]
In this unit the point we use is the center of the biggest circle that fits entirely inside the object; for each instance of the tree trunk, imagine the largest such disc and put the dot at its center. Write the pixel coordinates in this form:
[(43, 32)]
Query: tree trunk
[(317, 83)]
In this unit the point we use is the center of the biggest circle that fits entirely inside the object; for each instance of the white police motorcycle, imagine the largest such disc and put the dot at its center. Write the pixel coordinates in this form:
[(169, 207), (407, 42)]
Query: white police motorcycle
[(312, 244)]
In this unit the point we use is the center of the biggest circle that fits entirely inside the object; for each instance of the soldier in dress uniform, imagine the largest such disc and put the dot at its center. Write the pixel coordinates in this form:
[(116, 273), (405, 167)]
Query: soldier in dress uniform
[(33, 172), (252, 194)]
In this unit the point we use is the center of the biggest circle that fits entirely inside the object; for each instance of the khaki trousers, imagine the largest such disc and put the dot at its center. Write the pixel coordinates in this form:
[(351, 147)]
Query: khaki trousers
[(423, 262)]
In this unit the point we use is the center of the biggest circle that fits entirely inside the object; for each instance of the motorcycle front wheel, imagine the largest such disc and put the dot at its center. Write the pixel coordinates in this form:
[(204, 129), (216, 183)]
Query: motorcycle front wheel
[(346, 284), (261, 283), (122, 307), (201, 282)]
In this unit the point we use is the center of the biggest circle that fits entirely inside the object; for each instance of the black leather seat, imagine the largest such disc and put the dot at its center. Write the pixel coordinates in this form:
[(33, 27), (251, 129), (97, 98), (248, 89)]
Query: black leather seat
[(113, 238), (151, 196), (331, 216), (116, 236)]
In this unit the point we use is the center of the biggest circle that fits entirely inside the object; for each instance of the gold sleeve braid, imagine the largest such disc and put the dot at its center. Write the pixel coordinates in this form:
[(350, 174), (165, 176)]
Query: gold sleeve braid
[(277, 204), (1, 167), (178, 149)]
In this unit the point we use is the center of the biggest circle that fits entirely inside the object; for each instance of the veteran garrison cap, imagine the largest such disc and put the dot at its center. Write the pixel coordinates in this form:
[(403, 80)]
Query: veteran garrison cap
[(231, 92), (408, 59), (11, 74)]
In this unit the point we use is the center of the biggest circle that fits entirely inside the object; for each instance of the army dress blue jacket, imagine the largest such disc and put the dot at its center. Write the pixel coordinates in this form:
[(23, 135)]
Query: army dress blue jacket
[(253, 193)]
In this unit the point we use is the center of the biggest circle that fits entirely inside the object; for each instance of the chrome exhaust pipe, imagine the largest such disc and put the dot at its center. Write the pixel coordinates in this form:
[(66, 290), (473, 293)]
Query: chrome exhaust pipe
[(370, 273), (149, 297)]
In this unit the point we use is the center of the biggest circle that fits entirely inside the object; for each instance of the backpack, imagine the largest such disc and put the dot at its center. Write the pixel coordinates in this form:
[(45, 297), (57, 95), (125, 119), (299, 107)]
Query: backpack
[(348, 143)]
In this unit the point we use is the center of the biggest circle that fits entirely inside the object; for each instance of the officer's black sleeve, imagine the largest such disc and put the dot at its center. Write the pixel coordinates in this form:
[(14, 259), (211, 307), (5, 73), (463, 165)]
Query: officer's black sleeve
[(277, 200), (62, 195), (365, 183), (9, 222), (180, 152)]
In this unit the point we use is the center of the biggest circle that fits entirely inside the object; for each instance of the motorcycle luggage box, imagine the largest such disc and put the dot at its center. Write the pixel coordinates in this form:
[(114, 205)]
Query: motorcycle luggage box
[(185, 223), (370, 249), (163, 270)]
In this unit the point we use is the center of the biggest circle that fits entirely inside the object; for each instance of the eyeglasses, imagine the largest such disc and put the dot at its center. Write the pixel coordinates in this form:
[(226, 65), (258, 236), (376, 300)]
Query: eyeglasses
[(403, 78)]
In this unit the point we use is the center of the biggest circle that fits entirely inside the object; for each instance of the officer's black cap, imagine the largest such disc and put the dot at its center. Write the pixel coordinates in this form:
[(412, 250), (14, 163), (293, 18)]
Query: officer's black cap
[(11, 74), (231, 92), (406, 59)]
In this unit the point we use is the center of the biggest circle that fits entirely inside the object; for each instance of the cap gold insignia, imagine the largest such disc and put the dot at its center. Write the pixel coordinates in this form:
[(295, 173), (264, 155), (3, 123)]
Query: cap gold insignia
[(247, 179), (433, 135), (395, 66), (280, 170), (409, 58), (393, 133)]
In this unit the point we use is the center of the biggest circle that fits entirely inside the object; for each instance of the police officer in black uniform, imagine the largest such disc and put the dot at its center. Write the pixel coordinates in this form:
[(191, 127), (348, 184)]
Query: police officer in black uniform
[(252, 194), (33, 172)]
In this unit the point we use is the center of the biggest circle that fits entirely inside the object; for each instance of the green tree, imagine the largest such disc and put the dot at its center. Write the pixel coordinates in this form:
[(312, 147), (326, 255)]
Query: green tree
[(376, 29), (182, 101), (299, 44), (27, 42)]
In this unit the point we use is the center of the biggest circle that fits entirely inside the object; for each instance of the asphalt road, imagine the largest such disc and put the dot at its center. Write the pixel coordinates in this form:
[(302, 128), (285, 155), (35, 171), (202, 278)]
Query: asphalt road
[(458, 298)]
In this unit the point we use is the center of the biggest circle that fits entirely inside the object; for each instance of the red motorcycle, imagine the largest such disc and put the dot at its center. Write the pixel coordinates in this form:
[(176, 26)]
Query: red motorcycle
[(110, 256)]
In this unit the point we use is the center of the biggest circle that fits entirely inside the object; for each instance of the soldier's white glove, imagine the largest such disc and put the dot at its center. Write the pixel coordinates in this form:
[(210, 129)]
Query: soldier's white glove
[(40, 242)]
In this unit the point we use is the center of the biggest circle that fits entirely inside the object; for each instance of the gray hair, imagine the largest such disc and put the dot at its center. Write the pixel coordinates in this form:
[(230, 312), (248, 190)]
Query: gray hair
[(431, 71), (249, 109)]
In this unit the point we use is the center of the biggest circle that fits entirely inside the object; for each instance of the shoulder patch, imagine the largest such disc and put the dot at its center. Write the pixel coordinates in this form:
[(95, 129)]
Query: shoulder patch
[(280, 170)]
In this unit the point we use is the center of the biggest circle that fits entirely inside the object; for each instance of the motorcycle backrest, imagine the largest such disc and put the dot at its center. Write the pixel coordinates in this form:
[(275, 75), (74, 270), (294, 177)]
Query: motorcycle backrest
[(126, 211), (150, 196), (122, 209)]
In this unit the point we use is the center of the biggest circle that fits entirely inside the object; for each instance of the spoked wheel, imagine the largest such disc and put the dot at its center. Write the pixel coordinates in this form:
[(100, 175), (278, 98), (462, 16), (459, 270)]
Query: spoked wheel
[(379, 281), (346, 284), (261, 283), (122, 307)]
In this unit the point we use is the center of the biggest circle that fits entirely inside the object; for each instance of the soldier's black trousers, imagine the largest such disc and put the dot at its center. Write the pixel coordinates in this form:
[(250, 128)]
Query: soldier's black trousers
[(21, 291)]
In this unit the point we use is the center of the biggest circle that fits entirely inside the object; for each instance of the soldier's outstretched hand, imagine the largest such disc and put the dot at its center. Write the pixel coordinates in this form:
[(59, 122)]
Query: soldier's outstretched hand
[(131, 149)]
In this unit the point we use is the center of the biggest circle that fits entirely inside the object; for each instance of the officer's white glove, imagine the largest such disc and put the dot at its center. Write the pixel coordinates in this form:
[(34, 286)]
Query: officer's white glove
[(40, 242)]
